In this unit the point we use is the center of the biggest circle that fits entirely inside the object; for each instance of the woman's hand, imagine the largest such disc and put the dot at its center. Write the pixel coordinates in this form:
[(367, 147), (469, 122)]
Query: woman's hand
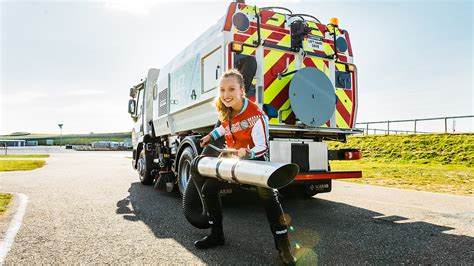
[(243, 153), (205, 140)]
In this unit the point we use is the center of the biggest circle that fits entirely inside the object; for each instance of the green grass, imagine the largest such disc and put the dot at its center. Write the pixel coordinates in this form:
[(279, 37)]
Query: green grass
[(435, 162), (25, 156), (20, 165), (444, 149), (72, 139), (453, 179), (4, 201), (19, 134)]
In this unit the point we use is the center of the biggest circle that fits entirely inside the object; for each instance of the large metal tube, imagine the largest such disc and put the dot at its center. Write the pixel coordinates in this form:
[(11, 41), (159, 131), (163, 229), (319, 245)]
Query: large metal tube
[(258, 173)]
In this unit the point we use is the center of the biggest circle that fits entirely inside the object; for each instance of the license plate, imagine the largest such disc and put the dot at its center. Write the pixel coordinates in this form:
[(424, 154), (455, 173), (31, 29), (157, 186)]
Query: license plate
[(315, 42)]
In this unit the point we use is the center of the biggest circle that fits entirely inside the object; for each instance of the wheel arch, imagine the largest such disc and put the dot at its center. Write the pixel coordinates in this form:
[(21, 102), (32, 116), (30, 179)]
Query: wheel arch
[(141, 142), (189, 141)]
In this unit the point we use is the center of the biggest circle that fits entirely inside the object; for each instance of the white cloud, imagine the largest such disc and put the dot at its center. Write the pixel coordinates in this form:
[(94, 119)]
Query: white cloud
[(24, 97), (85, 92), (273, 2), (141, 7)]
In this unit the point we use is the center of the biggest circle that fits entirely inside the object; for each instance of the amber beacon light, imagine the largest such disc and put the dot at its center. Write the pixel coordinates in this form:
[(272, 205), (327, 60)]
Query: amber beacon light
[(334, 21)]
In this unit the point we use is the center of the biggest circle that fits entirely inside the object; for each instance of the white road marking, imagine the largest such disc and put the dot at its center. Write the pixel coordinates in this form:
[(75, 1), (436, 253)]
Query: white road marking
[(7, 242)]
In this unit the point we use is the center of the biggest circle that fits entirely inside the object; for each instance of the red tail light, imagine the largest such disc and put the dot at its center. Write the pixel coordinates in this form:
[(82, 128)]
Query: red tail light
[(352, 155)]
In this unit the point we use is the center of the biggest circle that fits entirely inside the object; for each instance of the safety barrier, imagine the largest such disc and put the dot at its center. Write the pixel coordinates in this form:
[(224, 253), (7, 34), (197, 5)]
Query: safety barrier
[(416, 122)]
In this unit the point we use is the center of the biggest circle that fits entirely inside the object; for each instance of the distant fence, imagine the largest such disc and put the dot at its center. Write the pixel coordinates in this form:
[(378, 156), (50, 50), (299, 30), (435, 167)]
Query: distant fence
[(369, 129)]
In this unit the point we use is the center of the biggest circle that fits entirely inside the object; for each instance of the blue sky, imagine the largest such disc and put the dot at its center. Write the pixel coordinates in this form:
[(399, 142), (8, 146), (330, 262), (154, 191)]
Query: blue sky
[(74, 61)]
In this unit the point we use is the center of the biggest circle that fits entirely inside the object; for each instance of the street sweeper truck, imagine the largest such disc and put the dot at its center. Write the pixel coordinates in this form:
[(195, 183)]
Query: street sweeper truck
[(298, 70)]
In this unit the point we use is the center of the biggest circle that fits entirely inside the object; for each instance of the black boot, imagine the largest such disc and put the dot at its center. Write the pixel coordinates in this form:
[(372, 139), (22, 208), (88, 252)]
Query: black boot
[(284, 251), (212, 201), (216, 238)]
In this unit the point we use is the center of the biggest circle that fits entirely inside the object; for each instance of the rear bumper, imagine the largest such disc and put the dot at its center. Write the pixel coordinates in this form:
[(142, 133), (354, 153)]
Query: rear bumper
[(304, 177)]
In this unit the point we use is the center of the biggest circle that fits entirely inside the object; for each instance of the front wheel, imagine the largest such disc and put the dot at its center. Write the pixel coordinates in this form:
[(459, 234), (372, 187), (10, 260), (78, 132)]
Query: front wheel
[(144, 168)]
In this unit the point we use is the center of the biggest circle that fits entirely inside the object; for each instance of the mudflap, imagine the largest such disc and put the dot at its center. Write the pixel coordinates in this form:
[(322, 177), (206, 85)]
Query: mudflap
[(318, 186), (306, 189)]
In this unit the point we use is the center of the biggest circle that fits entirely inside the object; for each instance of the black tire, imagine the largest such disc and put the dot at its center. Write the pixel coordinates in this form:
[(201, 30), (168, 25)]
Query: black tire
[(144, 168), (193, 206), (184, 168)]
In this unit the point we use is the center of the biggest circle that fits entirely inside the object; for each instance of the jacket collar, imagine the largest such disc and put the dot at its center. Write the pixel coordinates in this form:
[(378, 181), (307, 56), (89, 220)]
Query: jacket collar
[(244, 107)]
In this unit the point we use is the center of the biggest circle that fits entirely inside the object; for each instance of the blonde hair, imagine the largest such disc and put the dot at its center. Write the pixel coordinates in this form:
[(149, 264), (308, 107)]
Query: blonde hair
[(223, 111)]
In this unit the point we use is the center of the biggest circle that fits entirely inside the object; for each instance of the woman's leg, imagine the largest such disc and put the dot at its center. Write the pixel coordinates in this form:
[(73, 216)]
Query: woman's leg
[(210, 195), (278, 224), (274, 211)]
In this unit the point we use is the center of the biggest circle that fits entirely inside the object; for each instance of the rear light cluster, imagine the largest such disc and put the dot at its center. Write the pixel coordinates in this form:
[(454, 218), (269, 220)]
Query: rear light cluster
[(344, 154), (352, 155)]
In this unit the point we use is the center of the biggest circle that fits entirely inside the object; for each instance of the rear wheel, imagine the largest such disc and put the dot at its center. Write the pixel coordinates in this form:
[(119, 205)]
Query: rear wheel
[(144, 168)]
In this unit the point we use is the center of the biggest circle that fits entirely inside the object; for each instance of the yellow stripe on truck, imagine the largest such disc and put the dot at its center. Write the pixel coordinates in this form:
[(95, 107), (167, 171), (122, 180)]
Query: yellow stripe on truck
[(328, 49), (277, 85), (320, 65), (280, 18), (316, 30), (341, 67), (342, 96), (340, 122)]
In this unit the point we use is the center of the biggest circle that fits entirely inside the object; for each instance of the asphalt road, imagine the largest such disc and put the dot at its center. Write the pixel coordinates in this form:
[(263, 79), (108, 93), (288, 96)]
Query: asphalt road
[(88, 207)]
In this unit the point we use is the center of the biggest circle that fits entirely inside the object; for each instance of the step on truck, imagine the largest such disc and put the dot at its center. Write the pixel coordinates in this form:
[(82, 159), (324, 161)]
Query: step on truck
[(299, 70)]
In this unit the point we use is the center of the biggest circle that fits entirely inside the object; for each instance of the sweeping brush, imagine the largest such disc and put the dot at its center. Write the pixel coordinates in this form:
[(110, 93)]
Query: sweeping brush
[(165, 181)]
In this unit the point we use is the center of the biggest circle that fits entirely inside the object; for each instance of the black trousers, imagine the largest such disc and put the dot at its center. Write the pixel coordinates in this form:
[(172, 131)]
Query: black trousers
[(269, 198)]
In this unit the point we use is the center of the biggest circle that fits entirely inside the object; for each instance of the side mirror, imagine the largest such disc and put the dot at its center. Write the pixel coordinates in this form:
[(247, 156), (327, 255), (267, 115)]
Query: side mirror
[(132, 92), (131, 107)]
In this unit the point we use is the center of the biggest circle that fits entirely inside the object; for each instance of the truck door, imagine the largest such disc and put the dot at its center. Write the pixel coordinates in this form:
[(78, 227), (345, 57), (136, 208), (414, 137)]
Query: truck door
[(140, 113), (211, 69)]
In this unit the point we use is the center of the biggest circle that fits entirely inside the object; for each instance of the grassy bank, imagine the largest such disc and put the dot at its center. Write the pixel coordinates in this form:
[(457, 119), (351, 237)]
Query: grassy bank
[(4, 201), (20, 165), (453, 179), (436, 162), (420, 149)]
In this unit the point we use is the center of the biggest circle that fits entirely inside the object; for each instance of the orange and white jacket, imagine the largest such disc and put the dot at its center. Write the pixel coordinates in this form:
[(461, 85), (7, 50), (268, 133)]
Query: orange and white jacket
[(249, 129)]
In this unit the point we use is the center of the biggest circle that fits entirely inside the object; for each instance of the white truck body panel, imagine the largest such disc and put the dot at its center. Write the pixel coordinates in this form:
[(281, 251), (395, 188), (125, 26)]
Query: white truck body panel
[(190, 87), (280, 151)]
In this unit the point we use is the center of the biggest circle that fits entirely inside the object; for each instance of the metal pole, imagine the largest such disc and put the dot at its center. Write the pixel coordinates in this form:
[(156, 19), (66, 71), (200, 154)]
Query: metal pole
[(367, 129), (61, 138), (445, 125), (415, 126), (388, 127)]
